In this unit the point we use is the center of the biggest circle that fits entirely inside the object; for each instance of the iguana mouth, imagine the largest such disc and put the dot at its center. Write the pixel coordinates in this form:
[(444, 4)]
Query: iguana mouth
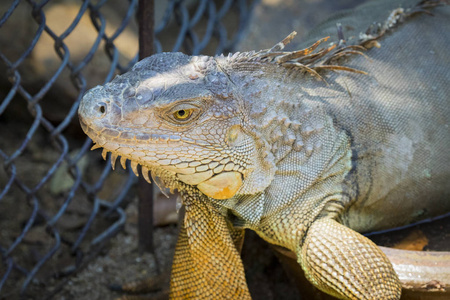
[(216, 179), (220, 186), (155, 173)]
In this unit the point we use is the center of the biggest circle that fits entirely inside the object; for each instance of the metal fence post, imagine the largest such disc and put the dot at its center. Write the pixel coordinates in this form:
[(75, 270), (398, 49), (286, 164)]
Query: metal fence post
[(145, 207)]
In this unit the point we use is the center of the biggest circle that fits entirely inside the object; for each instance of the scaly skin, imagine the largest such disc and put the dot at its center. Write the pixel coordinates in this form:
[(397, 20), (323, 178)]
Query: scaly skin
[(276, 142)]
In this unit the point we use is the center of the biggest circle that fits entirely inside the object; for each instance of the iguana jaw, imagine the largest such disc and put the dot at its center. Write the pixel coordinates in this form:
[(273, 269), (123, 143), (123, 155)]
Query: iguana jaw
[(214, 180)]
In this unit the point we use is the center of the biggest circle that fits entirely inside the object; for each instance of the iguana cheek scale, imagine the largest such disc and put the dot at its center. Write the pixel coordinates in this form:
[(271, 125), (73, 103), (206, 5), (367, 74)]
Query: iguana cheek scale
[(222, 186), (284, 144)]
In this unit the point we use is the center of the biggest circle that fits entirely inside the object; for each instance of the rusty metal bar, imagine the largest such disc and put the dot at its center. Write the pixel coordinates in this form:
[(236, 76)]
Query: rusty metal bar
[(145, 206), (146, 19)]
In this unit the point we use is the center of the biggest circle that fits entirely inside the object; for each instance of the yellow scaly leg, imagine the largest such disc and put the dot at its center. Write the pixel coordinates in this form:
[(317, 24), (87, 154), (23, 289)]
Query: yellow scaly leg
[(345, 264), (207, 264)]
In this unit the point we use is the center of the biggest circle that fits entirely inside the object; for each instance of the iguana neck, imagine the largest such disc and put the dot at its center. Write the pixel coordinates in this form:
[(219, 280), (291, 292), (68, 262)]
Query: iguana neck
[(298, 147)]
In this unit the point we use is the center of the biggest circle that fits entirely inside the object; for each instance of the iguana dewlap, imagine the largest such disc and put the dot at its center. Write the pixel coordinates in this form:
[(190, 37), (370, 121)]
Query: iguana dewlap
[(306, 147)]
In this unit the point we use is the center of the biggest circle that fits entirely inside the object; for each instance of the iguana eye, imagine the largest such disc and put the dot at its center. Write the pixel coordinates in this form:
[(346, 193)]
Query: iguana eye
[(183, 114)]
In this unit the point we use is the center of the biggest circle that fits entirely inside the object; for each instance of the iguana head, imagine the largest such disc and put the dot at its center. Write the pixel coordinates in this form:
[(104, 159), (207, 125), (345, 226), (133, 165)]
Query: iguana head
[(177, 117), (195, 119)]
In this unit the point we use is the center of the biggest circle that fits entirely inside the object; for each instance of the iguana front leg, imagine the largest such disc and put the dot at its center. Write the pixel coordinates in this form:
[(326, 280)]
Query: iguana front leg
[(345, 264), (207, 264)]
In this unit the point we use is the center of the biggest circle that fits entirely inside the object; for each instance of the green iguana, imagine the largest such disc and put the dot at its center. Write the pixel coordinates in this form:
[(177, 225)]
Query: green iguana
[(307, 148)]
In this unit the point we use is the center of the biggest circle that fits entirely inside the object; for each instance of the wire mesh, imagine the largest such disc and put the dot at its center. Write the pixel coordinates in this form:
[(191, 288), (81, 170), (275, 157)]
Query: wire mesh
[(59, 202)]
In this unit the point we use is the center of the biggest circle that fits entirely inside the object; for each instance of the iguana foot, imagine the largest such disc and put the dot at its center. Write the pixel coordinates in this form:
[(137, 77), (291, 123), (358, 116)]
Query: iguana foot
[(345, 264)]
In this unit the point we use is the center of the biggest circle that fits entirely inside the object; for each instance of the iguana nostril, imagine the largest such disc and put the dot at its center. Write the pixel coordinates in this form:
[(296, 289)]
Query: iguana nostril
[(101, 109)]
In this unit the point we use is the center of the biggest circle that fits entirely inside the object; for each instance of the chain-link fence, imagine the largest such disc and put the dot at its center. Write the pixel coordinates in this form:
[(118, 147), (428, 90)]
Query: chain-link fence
[(59, 202)]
